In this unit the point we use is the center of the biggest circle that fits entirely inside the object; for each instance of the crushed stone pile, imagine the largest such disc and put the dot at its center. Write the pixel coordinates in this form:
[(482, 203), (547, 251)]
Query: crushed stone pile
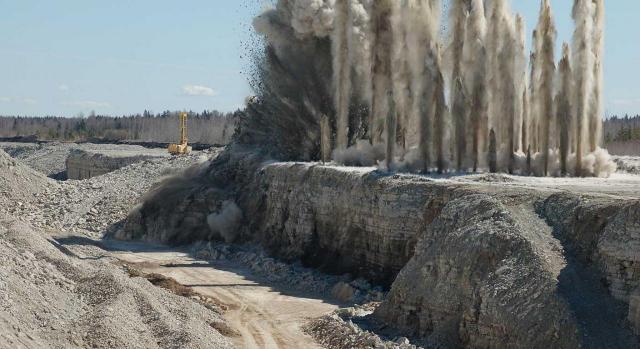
[(51, 298), (342, 329), (50, 158), (48, 299), (19, 184), (98, 205)]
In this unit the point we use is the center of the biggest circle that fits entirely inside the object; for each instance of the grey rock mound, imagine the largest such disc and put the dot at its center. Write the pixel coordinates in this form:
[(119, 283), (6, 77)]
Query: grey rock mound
[(477, 281), (19, 183), (85, 163)]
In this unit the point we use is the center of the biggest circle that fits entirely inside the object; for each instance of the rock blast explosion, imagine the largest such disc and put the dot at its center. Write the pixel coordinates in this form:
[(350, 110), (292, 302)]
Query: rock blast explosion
[(399, 87)]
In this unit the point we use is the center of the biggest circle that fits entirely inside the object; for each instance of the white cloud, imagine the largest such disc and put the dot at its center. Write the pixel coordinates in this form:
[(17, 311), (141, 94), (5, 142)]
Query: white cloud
[(30, 101), (87, 104), (197, 90), (63, 87)]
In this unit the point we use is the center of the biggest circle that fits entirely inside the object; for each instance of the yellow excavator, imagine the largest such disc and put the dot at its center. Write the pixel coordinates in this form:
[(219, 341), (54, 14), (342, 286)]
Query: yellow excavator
[(182, 147)]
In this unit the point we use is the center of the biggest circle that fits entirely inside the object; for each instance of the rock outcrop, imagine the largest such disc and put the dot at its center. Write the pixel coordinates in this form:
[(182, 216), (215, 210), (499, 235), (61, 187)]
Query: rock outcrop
[(480, 279), (366, 223), (604, 235)]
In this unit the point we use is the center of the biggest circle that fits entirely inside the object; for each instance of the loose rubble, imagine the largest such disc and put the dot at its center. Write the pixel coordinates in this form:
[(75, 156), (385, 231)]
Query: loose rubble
[(342, 330), (51, 298), (342, 288), (628, 164), (50, 158), (84, 164)]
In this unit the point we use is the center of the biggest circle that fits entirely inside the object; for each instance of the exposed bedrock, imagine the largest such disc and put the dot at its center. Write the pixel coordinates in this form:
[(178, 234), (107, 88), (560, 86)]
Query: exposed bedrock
[(480, 279), (83, 164), (604, 236), (490, 274), (468, 264), (365, 223)]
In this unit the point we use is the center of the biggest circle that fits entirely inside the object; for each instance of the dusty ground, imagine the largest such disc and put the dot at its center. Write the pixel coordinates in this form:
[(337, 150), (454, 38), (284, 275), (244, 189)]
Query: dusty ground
[(51, 298), (74, 215), (265, 315)]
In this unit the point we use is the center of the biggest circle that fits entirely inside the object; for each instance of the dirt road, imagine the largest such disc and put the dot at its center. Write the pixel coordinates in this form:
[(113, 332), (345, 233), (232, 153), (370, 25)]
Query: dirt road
[(264, 315)]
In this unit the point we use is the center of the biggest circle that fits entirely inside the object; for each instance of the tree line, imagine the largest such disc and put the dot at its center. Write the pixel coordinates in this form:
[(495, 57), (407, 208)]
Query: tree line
[(622, 135), (622, 129), (208, 127)]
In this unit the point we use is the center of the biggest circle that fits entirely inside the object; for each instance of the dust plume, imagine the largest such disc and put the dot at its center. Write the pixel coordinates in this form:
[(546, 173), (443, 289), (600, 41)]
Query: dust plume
[(450, 95)]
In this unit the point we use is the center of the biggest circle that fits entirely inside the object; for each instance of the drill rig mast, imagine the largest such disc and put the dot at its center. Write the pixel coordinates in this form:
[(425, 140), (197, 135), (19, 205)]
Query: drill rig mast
[(182, 147)]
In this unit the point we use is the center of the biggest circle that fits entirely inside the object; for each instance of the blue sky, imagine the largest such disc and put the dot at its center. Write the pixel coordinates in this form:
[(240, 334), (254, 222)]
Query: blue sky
[(63, 57)]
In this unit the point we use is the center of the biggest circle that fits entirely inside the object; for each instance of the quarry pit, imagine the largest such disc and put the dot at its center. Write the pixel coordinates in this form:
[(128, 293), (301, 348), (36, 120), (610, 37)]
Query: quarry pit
[(457, 260), (404, 174)]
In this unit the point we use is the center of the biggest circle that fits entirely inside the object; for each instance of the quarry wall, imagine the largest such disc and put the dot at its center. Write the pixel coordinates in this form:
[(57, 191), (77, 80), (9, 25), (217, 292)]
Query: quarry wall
[(82, 164), (467, 265), (365, 223)]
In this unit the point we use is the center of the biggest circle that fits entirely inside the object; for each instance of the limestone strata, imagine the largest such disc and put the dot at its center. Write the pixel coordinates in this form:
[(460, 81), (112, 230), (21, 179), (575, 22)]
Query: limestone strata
[(605, 235), (81, 164), (479, 279), (363, 223), (360, 222)]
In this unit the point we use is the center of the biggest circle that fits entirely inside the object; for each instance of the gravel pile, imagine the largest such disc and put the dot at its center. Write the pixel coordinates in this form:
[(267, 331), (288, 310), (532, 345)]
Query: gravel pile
[(49, 158), (48, 299), (340, 330), (19, 184), (98, 205)]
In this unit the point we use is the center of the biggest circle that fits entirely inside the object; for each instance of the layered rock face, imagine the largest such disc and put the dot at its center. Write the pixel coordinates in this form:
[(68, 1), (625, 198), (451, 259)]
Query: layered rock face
[(83, 164), (363, 223), (604, 235), (469, 264), (489, 275), (360, 222)]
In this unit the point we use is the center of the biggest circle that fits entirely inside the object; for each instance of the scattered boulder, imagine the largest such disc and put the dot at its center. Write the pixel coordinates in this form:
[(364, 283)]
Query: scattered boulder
[(343, 292)]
